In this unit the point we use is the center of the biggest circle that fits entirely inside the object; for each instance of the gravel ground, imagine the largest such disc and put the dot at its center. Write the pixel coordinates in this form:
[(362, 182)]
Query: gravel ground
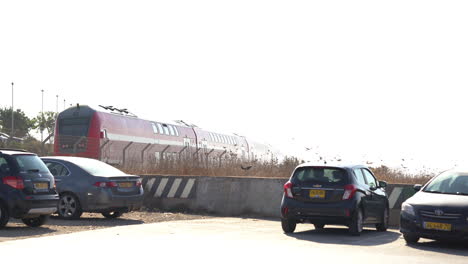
[(15, 229)]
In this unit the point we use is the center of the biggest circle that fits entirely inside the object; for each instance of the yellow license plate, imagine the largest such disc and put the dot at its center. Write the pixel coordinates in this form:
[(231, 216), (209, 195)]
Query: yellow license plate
[(41, 185), (317, 194), (437, 226), (125, 184)]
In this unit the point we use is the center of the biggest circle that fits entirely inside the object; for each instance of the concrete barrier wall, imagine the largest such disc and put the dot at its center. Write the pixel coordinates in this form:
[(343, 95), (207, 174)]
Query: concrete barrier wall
[(236, 196)]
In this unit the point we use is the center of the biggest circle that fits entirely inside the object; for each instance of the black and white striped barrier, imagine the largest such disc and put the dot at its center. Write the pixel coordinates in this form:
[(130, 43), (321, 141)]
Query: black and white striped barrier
[(169, 187), (235, 196)]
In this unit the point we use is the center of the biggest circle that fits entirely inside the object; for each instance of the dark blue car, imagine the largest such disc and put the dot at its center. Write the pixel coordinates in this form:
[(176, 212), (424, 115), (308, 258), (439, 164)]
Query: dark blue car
[(439, 210), (89, 185), (337, 195)]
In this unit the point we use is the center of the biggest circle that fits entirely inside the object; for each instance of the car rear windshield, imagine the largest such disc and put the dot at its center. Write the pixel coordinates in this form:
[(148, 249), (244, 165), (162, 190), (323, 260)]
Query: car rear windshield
[(98, 168), (30, 163), (320, 175), (449, 183)]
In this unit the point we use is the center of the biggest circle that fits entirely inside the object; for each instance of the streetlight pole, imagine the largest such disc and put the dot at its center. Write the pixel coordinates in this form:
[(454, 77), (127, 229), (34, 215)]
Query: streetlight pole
[(64, 104), (42, 117), (12, 113), (56, 105)]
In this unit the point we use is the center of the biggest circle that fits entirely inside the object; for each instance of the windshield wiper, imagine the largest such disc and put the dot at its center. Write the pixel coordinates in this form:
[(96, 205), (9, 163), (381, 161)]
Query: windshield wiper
[(461, 193), (433, 191), (33, 170)]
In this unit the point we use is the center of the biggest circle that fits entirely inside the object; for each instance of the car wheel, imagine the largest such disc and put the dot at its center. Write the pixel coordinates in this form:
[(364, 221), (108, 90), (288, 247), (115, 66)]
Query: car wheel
[(4, 215), (69, 207), (288, 225), (319, 226), (112, 214), (355, 228), (382, 227), (410, 238), (36, 221)]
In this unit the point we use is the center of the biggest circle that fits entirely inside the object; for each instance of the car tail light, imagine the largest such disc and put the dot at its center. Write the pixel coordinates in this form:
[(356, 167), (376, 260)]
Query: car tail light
[(288, 189), (14, 181), (105, 184), (350, 190), (138, 183)]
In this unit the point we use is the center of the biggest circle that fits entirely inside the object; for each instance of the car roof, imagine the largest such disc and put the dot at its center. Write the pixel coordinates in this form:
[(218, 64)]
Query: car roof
[(347, 166), (65, 158), (9, 151)]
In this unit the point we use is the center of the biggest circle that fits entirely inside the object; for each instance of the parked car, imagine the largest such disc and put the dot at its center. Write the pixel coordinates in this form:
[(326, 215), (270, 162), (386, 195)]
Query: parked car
[(439, 210), (89, 185), (27, 188), (341, 195)]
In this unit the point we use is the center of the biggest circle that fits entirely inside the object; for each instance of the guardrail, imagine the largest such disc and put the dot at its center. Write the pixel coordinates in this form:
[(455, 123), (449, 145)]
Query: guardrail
[(236, 196)]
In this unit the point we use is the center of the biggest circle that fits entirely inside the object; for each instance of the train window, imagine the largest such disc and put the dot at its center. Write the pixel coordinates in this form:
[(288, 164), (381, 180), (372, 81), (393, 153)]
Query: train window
[(171, 130), (176, 131), (155, 129), (166, 130), (160, 128)]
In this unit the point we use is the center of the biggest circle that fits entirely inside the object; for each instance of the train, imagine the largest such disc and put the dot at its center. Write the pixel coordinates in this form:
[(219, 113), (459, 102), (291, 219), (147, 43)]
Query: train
[(116, 136)]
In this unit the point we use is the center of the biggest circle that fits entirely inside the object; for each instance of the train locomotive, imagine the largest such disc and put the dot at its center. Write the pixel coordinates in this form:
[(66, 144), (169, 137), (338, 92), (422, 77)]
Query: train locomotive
[(117, 137)]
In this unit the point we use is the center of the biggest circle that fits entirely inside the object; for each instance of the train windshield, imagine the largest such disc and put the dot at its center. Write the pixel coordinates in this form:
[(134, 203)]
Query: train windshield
[(74, 126)]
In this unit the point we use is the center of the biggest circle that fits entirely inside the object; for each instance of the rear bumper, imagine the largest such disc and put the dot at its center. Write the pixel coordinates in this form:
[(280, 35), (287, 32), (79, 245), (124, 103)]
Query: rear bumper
[(318, 213), (33, 205), (105, 201), (414, 225)]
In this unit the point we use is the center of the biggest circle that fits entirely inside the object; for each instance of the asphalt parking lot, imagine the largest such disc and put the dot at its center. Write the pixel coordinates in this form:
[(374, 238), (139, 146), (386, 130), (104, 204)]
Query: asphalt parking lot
[(88, 221), (234, 240)]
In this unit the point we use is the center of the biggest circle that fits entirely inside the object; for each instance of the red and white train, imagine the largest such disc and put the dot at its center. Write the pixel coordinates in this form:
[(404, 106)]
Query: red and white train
[(116, 136)]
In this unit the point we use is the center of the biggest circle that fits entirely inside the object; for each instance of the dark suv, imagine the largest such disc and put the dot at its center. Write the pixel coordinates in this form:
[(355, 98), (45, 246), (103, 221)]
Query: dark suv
[(26, 188), (343, 195)]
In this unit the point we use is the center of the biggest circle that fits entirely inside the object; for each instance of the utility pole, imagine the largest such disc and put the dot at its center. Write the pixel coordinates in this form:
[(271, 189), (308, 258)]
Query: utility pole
[(42, 117), (12, 113)]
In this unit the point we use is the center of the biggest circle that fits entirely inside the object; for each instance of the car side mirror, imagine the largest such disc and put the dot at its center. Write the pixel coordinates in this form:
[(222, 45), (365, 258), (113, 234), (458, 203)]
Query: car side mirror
[(382, 184), (417, 187)]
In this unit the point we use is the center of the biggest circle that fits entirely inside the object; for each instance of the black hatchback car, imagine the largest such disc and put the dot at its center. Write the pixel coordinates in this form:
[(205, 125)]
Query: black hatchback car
[(342, 195), (27, 189), (439, 210)]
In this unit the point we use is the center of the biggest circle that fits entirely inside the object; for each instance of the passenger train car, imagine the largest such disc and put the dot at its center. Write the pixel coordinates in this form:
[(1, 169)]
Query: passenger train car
[(117, 136)]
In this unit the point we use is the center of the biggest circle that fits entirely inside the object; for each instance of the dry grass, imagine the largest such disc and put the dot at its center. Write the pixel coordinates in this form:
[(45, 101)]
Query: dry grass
[(384, 173), (229, 167), (271, 169)]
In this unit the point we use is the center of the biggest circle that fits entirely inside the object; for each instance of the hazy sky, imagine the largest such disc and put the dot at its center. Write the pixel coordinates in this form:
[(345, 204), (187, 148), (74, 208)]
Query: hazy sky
[(363, 80)]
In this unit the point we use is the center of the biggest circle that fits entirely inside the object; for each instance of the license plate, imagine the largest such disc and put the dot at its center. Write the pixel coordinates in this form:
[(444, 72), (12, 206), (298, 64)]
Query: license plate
[(437, 226), (317, 194), (41, 185), (125, 184)]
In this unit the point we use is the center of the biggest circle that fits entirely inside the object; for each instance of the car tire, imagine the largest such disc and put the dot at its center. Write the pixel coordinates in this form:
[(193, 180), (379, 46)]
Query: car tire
[(410, 238), (356, 225), (36, 221), (382, 227), (112, 215), (4, 215), (288, 225), (69, 206), (319, 226)]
